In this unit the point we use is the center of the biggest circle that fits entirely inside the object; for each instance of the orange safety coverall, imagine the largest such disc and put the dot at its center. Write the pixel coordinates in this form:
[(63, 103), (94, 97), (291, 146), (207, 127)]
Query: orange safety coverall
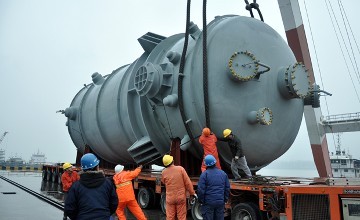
[(68, 179), (125, 193), (209, 145), (177, 182)]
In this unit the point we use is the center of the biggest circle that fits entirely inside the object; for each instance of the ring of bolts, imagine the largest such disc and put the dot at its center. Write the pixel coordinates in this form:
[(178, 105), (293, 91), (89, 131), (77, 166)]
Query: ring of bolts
[(238, 75)]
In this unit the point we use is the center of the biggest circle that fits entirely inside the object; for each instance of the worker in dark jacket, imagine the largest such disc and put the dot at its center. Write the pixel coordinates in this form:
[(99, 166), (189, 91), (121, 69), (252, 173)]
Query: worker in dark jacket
[(213, 190), (238, 157), (93, 196)]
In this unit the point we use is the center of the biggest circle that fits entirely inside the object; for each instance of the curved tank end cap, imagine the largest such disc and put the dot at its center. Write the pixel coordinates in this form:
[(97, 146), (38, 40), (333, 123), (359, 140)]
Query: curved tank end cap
[(263, 116), (185, 143), (71, 112), (171, 100), (97, 78)]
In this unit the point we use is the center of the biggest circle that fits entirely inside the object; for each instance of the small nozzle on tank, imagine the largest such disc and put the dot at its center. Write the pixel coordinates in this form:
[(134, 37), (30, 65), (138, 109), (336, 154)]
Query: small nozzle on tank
[(293, 81), (194, 30), (71, 113), (173, 57), (263, 116), (243, 66), (171, 100), (97, 78)]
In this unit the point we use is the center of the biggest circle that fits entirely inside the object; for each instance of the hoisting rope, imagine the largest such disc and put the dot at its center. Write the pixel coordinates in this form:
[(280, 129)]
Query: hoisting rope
[(181, 74), (205, 69), (250, 6)]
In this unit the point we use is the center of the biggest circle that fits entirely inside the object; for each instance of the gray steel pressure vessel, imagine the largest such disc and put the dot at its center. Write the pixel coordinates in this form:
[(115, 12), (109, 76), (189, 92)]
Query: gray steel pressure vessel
[(255, 86)]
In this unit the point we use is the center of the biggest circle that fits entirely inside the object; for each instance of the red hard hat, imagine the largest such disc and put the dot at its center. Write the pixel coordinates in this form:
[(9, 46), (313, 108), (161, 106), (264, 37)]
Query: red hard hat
[(206, 132)]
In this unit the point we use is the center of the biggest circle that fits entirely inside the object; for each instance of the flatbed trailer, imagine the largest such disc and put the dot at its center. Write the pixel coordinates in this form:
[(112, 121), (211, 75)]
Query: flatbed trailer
[(266, 197), (260, 197)]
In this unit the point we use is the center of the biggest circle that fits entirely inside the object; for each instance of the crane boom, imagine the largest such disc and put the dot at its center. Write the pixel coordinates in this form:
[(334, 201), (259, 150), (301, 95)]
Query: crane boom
[(3, 136), (295, 33)]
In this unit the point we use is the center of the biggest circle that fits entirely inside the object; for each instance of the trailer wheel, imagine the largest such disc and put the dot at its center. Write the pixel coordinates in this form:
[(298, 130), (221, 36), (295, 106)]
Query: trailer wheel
[(196, 211), (246, 211), (44, 173), (163, 202), (146, 197)]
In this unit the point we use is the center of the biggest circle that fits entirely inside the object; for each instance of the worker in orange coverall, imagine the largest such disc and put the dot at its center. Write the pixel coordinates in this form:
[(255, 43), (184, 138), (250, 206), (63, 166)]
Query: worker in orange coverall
[(208, 141), (176, 182), (67, 179), (125, 191)]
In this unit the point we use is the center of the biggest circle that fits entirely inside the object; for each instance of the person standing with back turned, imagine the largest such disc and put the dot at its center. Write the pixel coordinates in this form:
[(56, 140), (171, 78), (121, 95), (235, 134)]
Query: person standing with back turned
[(67, 179), (213, 190), (125, 191), (93, 196), (176, 182), (208, 141), (238, 157)]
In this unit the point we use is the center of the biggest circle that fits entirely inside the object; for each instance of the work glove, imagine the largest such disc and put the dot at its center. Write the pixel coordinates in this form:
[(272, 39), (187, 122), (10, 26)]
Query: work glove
[(141, 166), (193, 199)]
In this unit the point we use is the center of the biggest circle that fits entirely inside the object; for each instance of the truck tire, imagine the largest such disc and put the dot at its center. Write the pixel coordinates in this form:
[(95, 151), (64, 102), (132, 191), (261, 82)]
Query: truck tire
[(196, 211), (247, 210), (146, 197), (163, 202)]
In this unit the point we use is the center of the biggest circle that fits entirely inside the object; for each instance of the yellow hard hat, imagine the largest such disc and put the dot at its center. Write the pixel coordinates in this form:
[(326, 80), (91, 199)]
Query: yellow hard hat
[(226, 132), (167, 159), (66, 166)]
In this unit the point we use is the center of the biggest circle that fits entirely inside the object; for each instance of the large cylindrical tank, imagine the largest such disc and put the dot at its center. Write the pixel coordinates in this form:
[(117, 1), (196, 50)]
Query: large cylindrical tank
[(255, 88)]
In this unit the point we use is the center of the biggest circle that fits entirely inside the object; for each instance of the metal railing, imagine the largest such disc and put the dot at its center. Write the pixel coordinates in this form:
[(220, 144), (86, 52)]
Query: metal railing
[(348, 117)]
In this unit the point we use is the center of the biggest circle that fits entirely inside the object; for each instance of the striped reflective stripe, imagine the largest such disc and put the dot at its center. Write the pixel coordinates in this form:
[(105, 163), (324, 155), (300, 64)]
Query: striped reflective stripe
[(123, 184)]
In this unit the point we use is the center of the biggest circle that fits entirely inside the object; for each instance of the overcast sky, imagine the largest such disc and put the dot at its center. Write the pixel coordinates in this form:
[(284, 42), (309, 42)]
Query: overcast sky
[(49, 49)]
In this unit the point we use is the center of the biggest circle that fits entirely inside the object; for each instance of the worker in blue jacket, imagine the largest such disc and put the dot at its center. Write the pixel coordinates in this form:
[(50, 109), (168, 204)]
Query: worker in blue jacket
[(93, 196), (213, 190)]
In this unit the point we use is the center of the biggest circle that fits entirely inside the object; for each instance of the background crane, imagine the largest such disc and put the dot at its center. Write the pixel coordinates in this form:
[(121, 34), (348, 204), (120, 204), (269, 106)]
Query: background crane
[(2, 151), (3, 136)]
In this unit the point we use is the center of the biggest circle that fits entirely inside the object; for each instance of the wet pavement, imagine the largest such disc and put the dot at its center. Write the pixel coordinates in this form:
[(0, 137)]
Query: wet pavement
[(16, 204)]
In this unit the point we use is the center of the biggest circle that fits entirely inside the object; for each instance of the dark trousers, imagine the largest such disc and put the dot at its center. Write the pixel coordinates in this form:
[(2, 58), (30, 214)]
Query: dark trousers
[(212, 212), (65, 196)]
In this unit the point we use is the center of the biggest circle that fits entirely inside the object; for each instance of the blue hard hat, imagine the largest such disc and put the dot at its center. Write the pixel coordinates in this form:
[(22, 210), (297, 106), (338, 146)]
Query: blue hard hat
[(89, 161), (209, 160)]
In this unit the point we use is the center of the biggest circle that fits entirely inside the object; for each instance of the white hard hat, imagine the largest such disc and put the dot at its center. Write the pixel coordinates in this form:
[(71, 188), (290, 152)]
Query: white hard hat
[(119, 168)]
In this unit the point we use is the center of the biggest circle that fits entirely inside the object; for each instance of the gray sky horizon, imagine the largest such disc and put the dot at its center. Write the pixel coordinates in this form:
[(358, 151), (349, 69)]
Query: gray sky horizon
[(49, 49)]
